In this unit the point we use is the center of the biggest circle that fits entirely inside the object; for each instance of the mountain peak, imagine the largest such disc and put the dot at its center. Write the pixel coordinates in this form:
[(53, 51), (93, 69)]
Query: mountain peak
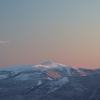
[(47, 62)]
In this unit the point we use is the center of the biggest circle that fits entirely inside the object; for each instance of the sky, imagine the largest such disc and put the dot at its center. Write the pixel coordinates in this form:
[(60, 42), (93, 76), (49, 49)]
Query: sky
[(66, 31)]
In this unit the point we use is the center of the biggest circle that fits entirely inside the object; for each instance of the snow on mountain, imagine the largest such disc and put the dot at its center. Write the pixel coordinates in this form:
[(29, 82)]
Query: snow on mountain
[(55, 85), (17, 68), (47, 78), (47, 69), (48, 64)]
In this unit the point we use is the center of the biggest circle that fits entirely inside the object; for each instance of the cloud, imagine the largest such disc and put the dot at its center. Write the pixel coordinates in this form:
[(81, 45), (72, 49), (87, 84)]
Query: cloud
[(4, 42)]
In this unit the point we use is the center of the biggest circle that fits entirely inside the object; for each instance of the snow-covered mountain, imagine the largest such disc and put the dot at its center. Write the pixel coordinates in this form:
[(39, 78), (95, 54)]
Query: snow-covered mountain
[(47, 68), (46, 79)]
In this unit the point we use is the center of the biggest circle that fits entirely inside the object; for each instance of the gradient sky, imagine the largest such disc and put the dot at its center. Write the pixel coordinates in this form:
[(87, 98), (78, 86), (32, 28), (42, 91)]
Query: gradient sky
[(66, 31)]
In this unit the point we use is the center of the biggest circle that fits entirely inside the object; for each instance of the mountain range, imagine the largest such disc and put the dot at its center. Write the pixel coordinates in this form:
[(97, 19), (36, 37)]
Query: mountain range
[(49, 81)]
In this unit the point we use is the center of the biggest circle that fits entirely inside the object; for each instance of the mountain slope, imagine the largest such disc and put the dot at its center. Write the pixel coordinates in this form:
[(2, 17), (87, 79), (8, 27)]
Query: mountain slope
[(49, 81)]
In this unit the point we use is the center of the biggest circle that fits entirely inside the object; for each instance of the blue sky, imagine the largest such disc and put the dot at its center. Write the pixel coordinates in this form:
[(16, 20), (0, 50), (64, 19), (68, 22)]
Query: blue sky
[(64, 30)]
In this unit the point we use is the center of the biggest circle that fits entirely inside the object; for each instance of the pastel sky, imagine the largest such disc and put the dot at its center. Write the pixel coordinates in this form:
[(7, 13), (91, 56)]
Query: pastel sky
[(66, 31)]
